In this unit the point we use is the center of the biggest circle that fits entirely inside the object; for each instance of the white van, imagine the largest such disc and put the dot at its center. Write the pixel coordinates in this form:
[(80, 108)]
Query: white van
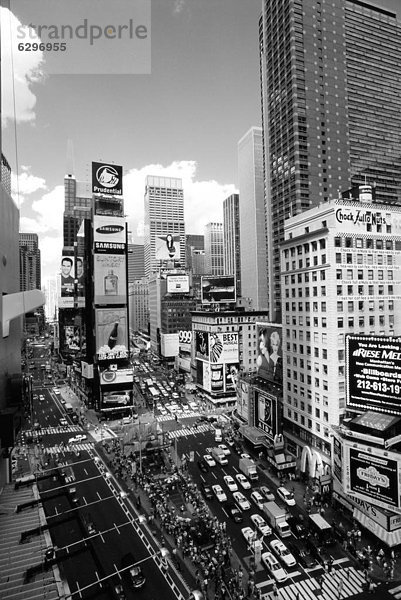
[(218, 437)]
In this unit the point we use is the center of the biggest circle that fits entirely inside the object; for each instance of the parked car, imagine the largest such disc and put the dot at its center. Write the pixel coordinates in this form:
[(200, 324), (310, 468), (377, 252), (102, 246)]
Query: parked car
[(242, 480), (274, 567), (261, 524), (283, 553), (230, 483), (241, 501), (286, 496), (234, 512)]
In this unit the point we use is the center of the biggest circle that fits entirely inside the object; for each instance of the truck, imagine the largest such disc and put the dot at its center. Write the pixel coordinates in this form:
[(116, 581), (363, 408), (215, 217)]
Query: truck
[(219, 456), (277, 518), (248, 467), (68, 408)]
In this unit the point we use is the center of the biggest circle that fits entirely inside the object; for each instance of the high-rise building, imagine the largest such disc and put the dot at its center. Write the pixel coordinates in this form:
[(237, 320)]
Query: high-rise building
[(198, 262), (29, 255), (214, 255), (192, 242), (341, 266), (136, 262), (331, 109), (138, 305), (252, 218), (78, 204), (164, 239), (231, 240)]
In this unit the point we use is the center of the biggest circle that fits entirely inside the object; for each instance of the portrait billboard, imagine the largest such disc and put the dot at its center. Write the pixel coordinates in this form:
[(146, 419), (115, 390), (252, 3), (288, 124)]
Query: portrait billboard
[(177, 284), (243, 399), (216, 378), (266, 413), (80, 276), (231, 376), (202, 345), (223, 347), (67, 276), (167, 247), (215, 289), (373, 373), (110, 279), (373, 474), (270, 357), (108, 229), (107, 179), (111, 333)]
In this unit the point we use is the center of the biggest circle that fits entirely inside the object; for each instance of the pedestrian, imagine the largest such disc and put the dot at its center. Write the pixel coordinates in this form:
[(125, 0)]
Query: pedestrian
[(275, 590), (340, 587)]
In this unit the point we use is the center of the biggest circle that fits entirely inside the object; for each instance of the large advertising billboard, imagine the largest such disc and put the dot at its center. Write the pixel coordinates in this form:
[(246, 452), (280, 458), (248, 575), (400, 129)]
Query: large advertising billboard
[(216, 289), (111, 333), (202, 345), (116, 400), (108, 229), (337, 458), (266, 413), (67, 276), (185, 340), (231, 376), (223, 347), (216, 379), (167, 247), (116, 376), (270, 356), (372, 474), (373, 373), (243, 399), (107, 179), (110, 279), (177, 284), (169, 344)]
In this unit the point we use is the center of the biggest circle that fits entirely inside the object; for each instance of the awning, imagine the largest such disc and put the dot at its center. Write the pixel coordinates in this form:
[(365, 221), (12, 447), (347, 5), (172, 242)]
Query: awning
[(283, 465), (390, 538)]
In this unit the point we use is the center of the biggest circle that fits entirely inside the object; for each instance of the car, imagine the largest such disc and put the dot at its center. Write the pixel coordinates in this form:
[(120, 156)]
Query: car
[(119, 592), (234, 512), (297, 526), (283, 553), (209, 460), (267, 493), (35, 397), (62, 401), (249, 534), (91, 528), (202, 466), (230, 441), (261, 524), (63, 423), (258, 499), (77, 438), (245, 455), (162, 410), (320, 553), (241, 501), (56, 391), (193, 405), (219, 493), (41, 398), (274, 567), (286, 496), (302, 553), (225, 449), (135, 574), (207, 491), (230, 483), (243, 481)]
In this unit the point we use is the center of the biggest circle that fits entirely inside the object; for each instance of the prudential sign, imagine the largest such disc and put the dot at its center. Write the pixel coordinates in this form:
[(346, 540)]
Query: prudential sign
[(107, 179)]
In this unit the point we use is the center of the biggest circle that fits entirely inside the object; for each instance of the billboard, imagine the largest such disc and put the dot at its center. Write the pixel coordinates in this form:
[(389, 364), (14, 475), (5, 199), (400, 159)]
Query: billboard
[(74, 338), (206, 377), (169, 344), (216, 378), (202, 345), (167, 247), (337, 453), (243, 399), (185, 340), (67, 276), (111, 333), (373, 373), (231, 376), (108, 229), (266, 413), (110, 279), (107, 179), (218, 289), (372, 474), (270, 356), (223, 347), (177, 284), (113, 376), (116, 400), (80, 276)]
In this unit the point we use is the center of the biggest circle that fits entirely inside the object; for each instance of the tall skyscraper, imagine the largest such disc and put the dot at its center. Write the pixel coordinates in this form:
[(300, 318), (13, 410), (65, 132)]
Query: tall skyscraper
[(136, 262), (331, 109), (78, 204), (252, 218), (29, 255), (231, 240), (214, 256), (192, 242), (164, 238)]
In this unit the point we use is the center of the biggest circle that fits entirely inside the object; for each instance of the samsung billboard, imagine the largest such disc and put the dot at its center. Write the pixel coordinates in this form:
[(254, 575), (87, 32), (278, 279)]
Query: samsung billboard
[(373, 373)]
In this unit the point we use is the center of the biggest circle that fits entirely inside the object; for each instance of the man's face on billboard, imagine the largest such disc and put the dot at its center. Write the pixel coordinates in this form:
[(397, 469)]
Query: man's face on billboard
[(66, 267)]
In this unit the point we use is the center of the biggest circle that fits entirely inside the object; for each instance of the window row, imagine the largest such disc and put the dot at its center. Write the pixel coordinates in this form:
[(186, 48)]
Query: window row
[(305, 277), (350, 258), (368, 243), (362, 290)]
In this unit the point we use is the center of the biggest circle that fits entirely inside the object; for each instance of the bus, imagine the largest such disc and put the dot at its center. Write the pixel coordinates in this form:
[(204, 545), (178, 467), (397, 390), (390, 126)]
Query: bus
[(68, 408), (322, 529), (154, 393)]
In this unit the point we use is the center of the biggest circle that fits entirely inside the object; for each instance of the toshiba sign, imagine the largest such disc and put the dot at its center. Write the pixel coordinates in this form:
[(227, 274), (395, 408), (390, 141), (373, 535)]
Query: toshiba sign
[(374, 373)]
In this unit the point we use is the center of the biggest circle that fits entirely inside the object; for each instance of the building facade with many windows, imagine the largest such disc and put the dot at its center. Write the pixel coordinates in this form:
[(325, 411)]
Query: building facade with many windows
[(231, 240), (214, 244)]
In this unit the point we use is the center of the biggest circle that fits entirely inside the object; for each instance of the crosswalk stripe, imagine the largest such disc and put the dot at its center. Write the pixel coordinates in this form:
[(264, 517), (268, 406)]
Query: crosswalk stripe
[(180, 414), (52, 450), (53, 430), (177, 433)]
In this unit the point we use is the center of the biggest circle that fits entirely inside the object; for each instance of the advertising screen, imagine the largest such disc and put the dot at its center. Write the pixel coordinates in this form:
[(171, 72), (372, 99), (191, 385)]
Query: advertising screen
[(67, 276), (266, 413), (270, 357), (216, 378), (116, 400), (202, 345), (110, 279), (337, 458), (80, 275), (373, 373), (108, 229), (218, 289), (185, 340), (113, 376), (177, 284), (74, 338), (111, 333), (169, 345), (243, 399), (107, 179), (373, 474), (231, 376), (167, 247), (223, 347)]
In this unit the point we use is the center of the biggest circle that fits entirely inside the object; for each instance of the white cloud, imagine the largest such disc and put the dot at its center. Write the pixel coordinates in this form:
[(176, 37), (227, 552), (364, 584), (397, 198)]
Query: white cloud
[(18, 74), (203, 200), (47, 214), (50, 254), (179, 6), (25, 184)]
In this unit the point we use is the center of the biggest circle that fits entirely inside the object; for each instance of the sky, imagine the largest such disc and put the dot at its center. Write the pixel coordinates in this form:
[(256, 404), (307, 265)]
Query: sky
[(183, 119)]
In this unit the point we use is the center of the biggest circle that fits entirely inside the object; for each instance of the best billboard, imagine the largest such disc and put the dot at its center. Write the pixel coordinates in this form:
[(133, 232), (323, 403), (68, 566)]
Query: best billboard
[(373, 373), (177, 284), (110, 279), (218, 289), (111, 333), (270, 359), (107, 179), (372, 474), (223, 347)]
